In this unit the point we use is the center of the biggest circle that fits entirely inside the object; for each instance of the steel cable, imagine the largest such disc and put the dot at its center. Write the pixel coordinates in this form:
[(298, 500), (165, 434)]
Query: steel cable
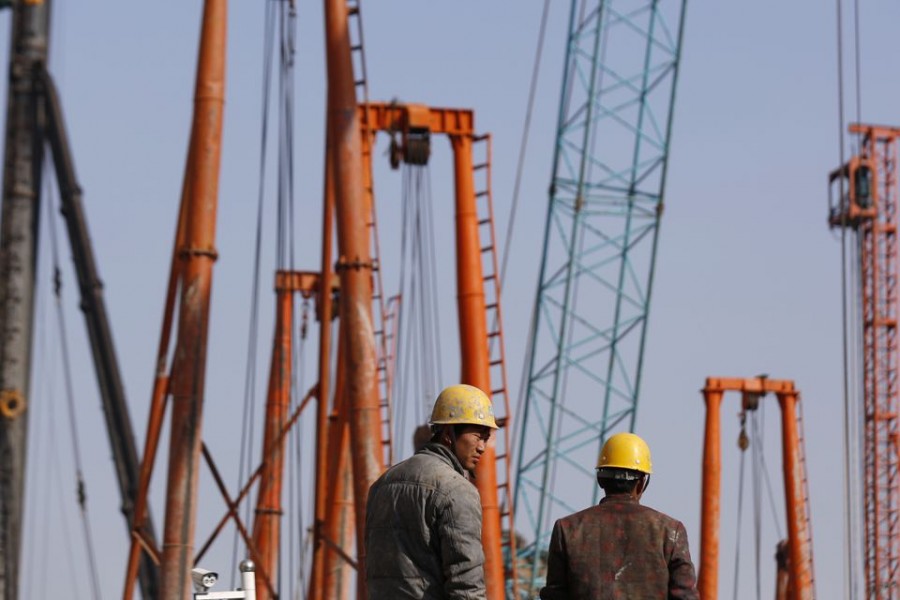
[(850, 586), (740, 510), (70, 405), (249, 412), (523, 145), (418, 329), (38, 448)]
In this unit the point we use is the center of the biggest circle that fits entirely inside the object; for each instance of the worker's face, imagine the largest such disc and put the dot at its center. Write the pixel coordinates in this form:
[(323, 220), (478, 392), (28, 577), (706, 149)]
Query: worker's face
[(470, 444)]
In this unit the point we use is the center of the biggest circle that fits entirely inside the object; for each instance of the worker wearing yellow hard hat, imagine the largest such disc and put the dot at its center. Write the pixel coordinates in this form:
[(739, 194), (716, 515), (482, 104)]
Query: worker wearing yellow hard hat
[(619, 548), (423, 515)]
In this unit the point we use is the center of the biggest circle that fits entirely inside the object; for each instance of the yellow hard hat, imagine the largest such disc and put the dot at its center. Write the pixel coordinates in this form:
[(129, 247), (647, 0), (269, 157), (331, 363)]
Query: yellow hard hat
[(626, 451), (463, 405)]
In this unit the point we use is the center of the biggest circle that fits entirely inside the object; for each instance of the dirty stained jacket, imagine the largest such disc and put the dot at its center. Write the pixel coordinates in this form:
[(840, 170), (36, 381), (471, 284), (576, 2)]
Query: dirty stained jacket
[(619, 550), (423, 531)]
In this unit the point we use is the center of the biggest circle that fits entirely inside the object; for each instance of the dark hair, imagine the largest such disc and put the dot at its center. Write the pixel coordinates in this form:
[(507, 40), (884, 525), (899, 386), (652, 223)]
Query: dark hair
[(618, 486)]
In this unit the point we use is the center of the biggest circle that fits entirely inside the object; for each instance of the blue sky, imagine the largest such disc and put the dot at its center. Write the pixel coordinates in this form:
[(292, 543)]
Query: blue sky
[(748, 275)]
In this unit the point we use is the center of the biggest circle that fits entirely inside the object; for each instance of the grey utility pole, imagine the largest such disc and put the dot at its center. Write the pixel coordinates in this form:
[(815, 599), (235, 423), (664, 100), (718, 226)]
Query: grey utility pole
[(18, 242)]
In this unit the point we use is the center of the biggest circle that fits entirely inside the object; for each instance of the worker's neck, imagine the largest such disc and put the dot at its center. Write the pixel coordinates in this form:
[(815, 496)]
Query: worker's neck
[(632, 495)]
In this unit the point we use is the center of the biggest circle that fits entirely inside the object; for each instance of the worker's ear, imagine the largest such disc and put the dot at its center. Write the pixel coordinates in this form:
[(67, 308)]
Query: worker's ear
[(643, 485), (446, 435)]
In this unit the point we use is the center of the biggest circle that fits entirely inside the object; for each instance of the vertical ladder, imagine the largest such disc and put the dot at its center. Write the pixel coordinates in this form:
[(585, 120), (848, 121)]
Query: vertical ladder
[(481, 153), (357, 54), (801, 449), (385, 324), (379, 312)]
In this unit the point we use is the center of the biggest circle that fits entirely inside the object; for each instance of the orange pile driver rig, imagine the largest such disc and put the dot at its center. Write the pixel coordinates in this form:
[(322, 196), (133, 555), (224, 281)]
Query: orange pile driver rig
[(795, 572)]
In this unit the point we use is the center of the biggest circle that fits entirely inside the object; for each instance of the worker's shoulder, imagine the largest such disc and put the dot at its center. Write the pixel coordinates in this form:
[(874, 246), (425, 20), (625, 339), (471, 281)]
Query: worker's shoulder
[(425, 469), (614, 510), (661, 517)]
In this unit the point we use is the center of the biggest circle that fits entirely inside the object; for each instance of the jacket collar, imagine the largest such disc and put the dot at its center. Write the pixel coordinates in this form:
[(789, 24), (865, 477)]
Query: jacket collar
[(446, 455), (620, 499)]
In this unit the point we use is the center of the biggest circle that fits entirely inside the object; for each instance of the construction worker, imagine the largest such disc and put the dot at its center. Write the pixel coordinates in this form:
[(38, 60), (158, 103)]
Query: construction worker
[(423, 515), (620, 549)]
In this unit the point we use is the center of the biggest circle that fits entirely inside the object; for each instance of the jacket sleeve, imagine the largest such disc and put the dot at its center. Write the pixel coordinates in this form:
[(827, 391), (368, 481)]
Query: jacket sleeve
[(462, 556), (557, 587), (682, 580)]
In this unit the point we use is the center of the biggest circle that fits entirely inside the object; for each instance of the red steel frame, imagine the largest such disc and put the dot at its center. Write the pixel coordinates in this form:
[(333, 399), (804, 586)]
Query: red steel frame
[(875, 220), (800, 567)]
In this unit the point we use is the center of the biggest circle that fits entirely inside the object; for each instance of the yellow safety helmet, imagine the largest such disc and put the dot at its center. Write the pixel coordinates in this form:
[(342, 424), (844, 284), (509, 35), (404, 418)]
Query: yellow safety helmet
[(463, 405), (626, 451)]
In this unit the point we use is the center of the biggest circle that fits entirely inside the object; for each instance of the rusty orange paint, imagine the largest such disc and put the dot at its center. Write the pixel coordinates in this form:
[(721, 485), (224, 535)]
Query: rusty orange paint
[(474, 354), (354, 268), (323, 393), (157, 402), (198, 254), (800, 563), (380, 116), (708, 572), (458, 124), (339, 519), (799, 586), (874, 221), (267, 522)]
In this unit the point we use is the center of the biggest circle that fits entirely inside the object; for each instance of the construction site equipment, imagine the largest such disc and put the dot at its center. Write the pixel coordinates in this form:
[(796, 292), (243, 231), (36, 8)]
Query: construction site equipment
[(191, 275), (354, 267), (34, 120), (863, 199), (267, 521), (23, 162), (188, 374), (478, 296), (800, 581), (593, 298)]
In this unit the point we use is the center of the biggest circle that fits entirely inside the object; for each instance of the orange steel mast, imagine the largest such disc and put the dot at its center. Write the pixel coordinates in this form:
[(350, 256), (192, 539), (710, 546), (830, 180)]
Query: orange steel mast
[(416, 122), (800, 566), (354, 266), (323, 389), (186, 384), (339, 520), (867, 203), (191, 271), (267, 523)]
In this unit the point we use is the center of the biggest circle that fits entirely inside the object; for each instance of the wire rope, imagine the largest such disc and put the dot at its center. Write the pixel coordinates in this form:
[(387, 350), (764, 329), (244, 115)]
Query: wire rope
[(740, 511), (64, 527), (70, 405), (850, 586), (523, 144), (248, 417), (756, 445), (425, 192), (38, 448), (34, 440), (418, 320)]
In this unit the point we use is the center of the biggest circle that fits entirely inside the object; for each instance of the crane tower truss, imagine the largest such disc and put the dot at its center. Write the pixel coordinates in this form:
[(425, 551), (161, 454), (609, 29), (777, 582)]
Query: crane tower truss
[(869, 207), (593, 296)]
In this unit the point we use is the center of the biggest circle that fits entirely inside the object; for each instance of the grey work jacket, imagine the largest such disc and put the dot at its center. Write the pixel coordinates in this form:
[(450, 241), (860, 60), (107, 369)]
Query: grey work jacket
[(423, 531)]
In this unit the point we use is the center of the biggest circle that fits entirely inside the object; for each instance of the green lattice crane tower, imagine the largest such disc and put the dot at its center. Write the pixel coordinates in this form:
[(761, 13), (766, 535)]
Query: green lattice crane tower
[(593, 297)]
